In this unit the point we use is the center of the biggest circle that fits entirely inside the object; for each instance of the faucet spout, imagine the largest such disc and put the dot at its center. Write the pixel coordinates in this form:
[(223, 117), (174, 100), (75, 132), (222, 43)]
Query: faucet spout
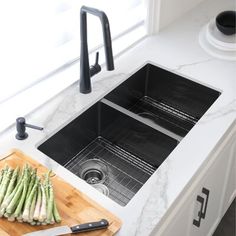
[(85, 71)]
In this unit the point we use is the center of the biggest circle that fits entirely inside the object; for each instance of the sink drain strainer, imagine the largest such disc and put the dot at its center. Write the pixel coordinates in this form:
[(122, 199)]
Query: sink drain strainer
[(93, 176), (93, 171)]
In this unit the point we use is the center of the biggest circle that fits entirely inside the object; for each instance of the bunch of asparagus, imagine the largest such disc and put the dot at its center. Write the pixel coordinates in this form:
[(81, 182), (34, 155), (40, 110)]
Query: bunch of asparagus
[(27, 198)]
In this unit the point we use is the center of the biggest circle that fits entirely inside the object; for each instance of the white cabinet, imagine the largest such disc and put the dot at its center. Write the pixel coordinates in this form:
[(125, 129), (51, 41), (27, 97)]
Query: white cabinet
[(178, 223), (230, 191), (201, 208), (209, 195)]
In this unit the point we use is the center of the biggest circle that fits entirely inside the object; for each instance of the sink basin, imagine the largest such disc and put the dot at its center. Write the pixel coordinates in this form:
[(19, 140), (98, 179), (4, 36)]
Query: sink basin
[(131, 149), (118, 143), (167, 99)]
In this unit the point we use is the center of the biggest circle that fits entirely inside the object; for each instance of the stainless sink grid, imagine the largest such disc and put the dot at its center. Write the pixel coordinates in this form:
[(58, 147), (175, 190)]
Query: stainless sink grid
[(126, 172), (157, 110)]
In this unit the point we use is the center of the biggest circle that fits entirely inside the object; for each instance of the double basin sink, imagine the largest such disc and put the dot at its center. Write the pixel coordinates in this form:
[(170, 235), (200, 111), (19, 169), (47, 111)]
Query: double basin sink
[(119, 142)]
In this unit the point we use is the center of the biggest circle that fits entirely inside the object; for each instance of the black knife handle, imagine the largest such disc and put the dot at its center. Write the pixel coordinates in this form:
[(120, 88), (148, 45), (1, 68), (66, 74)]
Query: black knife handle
[(102, 224)]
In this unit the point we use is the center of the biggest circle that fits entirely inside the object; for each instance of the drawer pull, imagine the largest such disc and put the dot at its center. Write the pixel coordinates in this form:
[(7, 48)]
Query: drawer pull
[(203, 209)]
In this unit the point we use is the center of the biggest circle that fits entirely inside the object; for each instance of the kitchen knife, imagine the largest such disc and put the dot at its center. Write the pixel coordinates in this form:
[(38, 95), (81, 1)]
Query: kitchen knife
[(61, 230)]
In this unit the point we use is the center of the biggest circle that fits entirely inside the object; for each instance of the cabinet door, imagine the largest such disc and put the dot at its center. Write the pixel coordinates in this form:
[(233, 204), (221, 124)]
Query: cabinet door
[(209, 195), (178, 222), (230, 192)]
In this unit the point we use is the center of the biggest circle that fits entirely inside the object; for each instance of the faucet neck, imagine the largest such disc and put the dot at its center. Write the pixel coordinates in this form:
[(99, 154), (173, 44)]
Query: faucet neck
[(85, 83), (85, 72)]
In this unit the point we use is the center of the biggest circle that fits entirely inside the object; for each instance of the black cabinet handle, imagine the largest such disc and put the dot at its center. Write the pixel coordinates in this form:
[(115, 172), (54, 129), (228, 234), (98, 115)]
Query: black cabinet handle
[(206, 192), (203, 209), (198, 221)]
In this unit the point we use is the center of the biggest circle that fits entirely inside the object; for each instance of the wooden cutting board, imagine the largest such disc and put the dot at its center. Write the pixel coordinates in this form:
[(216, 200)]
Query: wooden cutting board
[(74, 207)]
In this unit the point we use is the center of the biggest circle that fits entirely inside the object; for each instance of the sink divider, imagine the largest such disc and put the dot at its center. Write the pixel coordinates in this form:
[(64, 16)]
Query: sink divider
[(147, 122)]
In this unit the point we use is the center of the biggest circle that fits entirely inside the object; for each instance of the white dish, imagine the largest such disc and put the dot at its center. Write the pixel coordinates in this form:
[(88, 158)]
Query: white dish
[(218, 39), (212, 49)]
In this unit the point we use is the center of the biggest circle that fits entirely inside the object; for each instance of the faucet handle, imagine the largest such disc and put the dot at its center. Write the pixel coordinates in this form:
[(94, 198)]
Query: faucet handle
[(97, 58), (94, 69)]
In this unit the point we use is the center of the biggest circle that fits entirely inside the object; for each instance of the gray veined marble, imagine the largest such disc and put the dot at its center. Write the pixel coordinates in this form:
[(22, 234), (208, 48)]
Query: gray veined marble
[(176, 47)]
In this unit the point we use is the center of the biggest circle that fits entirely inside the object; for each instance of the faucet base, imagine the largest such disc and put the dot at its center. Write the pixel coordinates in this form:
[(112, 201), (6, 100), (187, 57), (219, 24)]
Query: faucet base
[(85, 91), (22, 137)]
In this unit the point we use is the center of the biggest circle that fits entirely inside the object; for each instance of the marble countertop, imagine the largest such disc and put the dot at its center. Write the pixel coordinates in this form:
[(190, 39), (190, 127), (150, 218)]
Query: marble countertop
[(177, 49)]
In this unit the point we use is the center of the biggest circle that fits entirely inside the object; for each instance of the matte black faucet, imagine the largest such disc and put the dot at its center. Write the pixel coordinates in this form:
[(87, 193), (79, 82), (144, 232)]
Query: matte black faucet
[(86, 72)]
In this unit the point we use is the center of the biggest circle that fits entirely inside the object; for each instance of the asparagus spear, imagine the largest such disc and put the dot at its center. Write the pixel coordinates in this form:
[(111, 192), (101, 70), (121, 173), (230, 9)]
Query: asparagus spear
[(32, 206), (28, 202), (55, 212), (4, 184), (33, 223), (38, 204), (47, 183), (2, 211), (52, 220), (1, 175), (50, 204), (21, 221), (19, 207), (32, 182), (6, 215), (11, 218), (44, 223), (10, 187), (7, 201), (43, 209), (3, 171), (12, 206), (19, 218)]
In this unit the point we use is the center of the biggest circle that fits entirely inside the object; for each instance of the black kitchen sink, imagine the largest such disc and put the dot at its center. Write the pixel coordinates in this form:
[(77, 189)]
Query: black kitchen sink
[(118, 143), (167, 99), (131, 150)]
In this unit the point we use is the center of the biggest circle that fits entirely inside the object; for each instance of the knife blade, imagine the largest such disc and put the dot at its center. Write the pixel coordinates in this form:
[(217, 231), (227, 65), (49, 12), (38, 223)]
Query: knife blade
[(61, 230)]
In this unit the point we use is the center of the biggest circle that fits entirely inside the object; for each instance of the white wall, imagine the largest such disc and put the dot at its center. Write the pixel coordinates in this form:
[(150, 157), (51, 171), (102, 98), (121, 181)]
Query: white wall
[(163, 12)]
